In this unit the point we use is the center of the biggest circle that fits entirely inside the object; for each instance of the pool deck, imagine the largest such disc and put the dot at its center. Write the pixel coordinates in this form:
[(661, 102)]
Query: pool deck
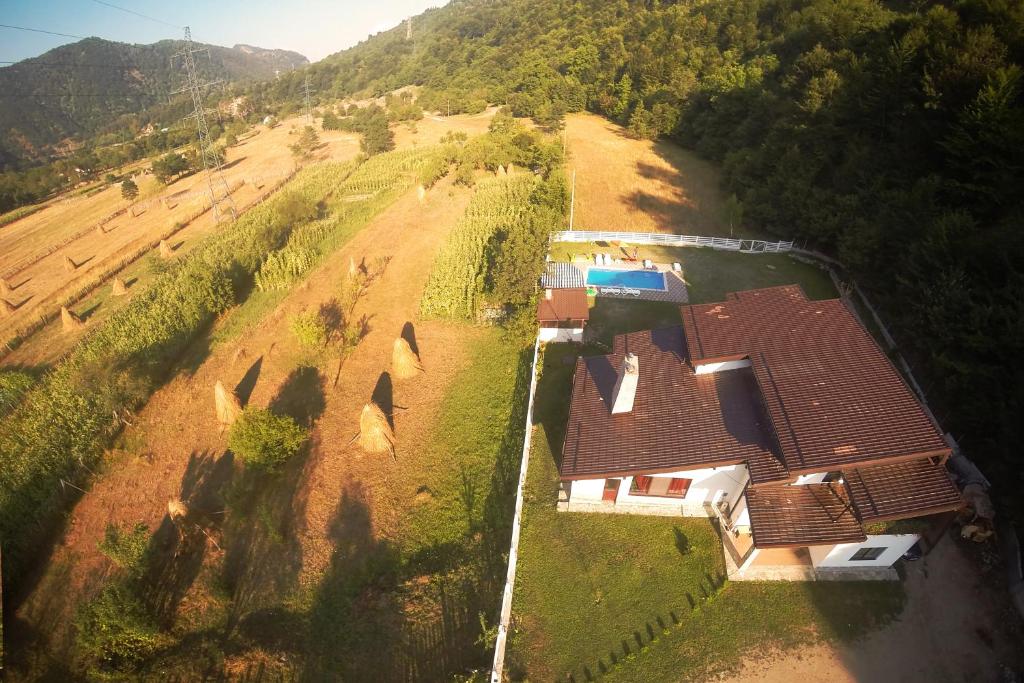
[(560, 275)]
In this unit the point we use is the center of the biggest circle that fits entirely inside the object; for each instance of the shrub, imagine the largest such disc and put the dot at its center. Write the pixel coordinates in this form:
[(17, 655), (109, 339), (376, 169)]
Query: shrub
[(310, 329), (115, 633), (264, 440), (129, 190), (126, 549), (308, 141), (293, 208)]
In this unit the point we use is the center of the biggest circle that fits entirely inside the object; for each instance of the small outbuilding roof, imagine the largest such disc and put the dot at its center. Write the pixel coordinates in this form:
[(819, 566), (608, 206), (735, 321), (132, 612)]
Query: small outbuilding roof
[(559, 305)]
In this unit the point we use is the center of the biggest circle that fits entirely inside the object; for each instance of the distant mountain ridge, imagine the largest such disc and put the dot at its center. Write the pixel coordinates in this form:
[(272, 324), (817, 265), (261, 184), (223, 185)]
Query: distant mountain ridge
[(75, 90)]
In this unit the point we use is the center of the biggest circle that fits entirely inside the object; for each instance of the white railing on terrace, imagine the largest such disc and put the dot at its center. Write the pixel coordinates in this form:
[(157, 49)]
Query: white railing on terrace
[(725, 243)]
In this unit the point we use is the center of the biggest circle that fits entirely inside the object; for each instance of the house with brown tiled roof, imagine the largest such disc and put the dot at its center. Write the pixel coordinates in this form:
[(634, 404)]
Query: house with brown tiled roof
[(778, 416)]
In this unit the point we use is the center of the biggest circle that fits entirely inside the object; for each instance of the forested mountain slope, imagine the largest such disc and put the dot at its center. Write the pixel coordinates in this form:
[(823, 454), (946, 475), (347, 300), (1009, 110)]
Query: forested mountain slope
[(81, 88), (889, 134)]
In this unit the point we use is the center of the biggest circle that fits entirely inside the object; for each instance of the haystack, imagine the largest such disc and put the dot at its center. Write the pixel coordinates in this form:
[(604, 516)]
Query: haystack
[(165, 249), (69, 265), (375, 433), (100, 232), (501, 170), (119, 288), (405, 364), (421, 192), (176, 510), (69, 320), (228, 405), (7, 306)]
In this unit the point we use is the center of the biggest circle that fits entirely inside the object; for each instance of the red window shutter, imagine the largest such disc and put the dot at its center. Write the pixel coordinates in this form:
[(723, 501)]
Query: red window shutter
[(641, 485), (679, 487)]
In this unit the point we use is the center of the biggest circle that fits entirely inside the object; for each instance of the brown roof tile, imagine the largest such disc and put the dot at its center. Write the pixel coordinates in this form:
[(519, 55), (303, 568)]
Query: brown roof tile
[(901, 490), (833, 397), (564, 304), (799, 515), (679, 419)]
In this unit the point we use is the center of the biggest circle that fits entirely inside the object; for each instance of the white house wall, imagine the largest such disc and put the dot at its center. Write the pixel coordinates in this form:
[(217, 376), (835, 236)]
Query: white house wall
[(708, 486), (560, 334), (839, 555)]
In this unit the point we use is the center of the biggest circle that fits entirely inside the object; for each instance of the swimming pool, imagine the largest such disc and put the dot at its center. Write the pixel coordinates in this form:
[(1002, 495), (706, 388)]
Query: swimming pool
[(636, 279)]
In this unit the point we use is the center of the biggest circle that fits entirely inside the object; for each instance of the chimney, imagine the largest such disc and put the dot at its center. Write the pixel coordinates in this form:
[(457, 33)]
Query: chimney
[(625, 387)]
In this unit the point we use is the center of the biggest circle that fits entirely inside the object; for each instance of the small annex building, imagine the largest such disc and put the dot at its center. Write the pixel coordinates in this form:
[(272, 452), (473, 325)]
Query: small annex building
[(778, 415), (562, 314)]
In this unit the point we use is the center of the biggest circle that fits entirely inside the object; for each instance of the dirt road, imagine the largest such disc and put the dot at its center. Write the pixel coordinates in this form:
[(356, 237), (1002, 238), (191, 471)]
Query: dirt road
[(956, 628)]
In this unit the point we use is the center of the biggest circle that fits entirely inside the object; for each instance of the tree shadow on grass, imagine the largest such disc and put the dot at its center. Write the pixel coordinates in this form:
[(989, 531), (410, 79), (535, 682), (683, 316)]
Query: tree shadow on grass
[(358, 627), (177, 547), (263, 554), (302, 396)]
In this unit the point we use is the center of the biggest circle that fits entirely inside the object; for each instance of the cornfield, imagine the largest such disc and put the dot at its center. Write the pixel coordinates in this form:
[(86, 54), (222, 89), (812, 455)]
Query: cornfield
[(456, 280)]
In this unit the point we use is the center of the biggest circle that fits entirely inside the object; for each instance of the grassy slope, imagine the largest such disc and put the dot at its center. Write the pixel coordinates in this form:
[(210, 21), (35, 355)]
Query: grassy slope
[(640, 598), (375, 617)]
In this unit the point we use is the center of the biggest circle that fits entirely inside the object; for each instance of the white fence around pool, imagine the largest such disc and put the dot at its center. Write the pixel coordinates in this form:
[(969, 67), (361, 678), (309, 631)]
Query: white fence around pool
[(724, 243)]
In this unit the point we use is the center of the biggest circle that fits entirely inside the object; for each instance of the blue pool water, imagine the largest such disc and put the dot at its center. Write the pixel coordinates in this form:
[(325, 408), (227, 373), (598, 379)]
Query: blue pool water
[(637, 279)]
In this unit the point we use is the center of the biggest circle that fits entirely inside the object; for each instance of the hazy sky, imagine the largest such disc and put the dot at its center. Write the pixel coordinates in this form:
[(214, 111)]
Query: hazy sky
[(315, 28)]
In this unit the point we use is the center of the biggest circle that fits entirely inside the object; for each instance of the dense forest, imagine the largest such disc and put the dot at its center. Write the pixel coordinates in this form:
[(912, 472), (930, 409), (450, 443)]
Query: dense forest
[(80, 89), (887, 134)]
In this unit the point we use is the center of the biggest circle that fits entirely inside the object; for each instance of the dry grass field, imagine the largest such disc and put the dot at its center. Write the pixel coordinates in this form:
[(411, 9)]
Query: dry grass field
[(625, 184), (177, 440), (258, 164)]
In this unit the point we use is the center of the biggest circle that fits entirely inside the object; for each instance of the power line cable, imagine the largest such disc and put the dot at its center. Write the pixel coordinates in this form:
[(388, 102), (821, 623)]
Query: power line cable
[(39, 30), (138, 14)]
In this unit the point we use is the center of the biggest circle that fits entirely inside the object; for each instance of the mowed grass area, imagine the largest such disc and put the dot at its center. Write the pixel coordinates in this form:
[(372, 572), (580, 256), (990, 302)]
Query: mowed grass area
[(631, 598)]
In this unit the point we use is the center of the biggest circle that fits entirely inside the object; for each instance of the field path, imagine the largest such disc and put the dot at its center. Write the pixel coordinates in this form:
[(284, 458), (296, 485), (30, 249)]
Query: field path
[(179, 449), (625, 184)]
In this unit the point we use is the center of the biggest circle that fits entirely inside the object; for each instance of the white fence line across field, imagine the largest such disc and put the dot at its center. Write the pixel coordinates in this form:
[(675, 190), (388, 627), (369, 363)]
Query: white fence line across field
[(724, 243), (517, 521)]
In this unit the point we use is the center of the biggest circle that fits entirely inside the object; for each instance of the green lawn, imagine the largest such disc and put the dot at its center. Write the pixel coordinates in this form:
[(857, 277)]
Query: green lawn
[(632, 598)]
